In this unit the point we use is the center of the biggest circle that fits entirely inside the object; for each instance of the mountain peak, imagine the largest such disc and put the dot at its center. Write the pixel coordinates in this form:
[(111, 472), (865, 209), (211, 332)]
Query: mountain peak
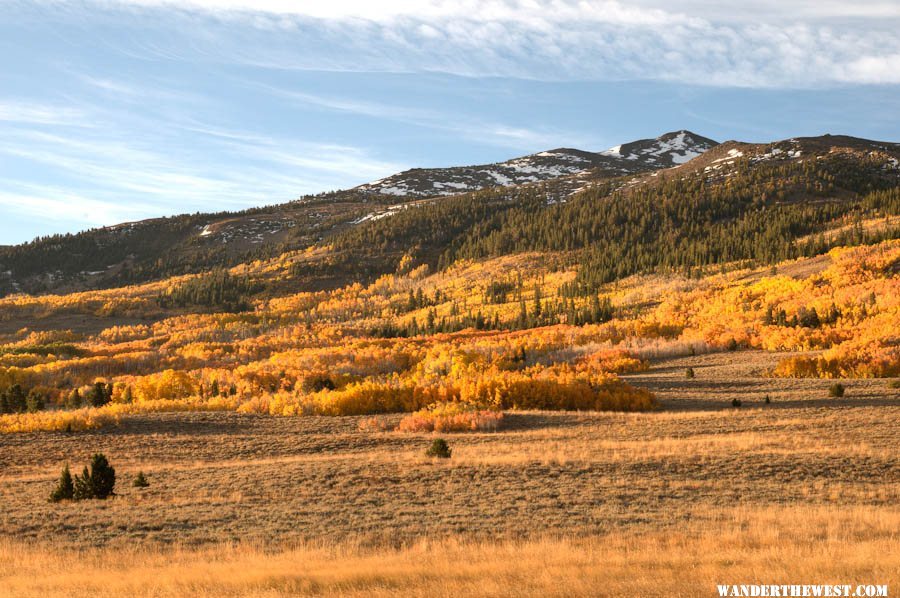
[(669, 149)]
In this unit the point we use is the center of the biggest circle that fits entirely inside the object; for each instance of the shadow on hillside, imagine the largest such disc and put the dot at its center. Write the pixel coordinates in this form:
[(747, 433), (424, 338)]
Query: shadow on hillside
[(193, 424), (759, 403), (519, 421)]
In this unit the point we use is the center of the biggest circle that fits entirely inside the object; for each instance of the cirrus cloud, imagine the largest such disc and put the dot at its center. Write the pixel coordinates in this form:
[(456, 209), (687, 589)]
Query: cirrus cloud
[(764, 44)]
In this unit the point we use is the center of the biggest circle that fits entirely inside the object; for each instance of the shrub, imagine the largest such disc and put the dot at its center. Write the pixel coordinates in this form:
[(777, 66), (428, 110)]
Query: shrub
[(451, 417), (140, 481), (100, 394), (768, 399), (65, 489), (318, 382), (374, 424), (736, 402), (16, 401), (74, 400), (894, 384), (439, 448), (689, 373), (836, 390), (557, 391), (732, 345), (96, 483), (59, 421)]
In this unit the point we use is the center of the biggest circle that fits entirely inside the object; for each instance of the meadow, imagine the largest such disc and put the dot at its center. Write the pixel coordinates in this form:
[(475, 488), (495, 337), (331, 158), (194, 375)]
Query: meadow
[(802, 489), (670, 432)]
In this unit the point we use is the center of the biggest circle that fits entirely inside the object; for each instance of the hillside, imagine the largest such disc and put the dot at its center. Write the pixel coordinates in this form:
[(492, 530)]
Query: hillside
[(736, 201), (644, 353), (157, 248), (506, 259), (762, 203)]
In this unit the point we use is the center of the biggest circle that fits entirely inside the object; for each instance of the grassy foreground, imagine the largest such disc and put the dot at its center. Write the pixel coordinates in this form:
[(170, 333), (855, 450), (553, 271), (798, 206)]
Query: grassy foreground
[(801, 490), (771, 545)]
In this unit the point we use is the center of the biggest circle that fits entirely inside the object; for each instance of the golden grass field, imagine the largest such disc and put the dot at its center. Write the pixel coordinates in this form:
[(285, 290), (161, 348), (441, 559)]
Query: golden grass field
[(803, 490)]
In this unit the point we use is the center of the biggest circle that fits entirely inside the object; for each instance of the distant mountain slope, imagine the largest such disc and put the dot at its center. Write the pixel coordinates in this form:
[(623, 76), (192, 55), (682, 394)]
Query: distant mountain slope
[(156, 248), (675, 201), (884, 156), (739, 201), (664, 151)]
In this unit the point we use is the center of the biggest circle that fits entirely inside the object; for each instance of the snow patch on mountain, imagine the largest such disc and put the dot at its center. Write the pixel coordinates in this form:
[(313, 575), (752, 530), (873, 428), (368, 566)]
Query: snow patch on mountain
[(644, 155)]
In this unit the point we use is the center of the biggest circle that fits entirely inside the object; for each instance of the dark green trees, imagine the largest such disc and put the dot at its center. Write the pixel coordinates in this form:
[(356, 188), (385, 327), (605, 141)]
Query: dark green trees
[(16, 400), (140, 480), (215, 289), (96, 482), (100, 394), (65, 489), (439, 448)]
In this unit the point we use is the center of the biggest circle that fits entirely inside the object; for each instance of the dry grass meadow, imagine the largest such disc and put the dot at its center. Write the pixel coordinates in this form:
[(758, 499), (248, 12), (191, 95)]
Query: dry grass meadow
[(802, 490)]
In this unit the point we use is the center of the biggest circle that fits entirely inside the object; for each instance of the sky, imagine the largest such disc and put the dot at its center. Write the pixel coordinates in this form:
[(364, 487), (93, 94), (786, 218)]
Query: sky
[(119, 110)]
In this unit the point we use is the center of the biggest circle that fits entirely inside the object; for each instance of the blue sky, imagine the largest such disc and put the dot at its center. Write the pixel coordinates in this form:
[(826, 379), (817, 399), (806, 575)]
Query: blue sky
[(119, 110)]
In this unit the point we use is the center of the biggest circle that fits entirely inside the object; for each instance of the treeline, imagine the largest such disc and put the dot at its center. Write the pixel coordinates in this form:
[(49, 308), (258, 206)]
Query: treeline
[(148, 250), (59, 349), (804, 318), (427, 230), (757, 213), (94, 250), (533, 313), (16, 399), (216, 289)]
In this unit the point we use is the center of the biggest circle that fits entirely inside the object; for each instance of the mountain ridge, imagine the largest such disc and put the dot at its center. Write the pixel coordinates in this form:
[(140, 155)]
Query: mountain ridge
[(669, 149), (158, 248)]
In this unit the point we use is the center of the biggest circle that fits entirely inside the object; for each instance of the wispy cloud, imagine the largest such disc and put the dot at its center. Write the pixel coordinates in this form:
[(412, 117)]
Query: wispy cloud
[(123, 109), (38, 114), (461, 125), (113, 170), (59, 204), (783, 44)]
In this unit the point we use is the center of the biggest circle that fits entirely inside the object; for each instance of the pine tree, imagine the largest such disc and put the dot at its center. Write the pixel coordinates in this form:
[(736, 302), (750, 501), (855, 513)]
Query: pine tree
[(523, 314), (537, 308), (140, 481), (16, 400), (440, 449), (83, 489), (100, 394), (35, 402), (99, 482), (74, 400), (65, 489)]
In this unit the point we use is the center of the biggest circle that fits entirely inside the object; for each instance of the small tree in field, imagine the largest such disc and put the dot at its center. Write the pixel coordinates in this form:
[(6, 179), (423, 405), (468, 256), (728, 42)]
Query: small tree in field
[(65, 489), (836, 390), (736, 402), (140, 481), (439, 448), (689, 373), (98, 482)]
